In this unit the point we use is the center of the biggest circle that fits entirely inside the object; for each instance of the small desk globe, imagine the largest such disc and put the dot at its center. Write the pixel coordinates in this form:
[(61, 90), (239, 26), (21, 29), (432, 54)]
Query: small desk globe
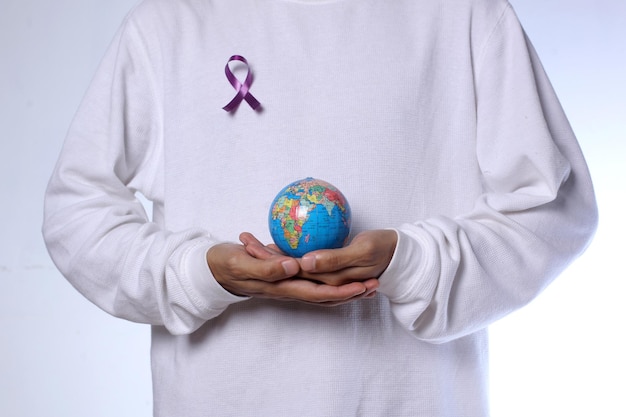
[(308, 215)]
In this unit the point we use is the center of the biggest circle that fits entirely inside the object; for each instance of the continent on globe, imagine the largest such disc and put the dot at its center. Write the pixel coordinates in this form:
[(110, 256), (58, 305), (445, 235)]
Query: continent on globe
[(308, 215)]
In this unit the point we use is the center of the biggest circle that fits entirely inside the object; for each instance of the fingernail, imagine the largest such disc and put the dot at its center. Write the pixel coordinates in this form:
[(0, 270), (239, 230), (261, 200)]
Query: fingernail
[(290, 267), (308, 262)]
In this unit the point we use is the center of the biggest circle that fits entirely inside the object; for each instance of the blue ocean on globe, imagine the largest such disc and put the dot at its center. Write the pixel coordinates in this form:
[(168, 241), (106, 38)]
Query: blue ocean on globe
[(308, 215)]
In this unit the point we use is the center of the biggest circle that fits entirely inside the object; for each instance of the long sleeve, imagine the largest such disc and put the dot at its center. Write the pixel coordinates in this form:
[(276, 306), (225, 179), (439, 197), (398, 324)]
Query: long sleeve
[(97, 232), (453, 276)]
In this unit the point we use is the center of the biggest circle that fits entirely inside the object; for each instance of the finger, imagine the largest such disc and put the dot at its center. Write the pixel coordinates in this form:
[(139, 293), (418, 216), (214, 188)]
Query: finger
[(328, 260), (259, 252), (275, 248), (255, 248), (248, 239), (344, 276), (366, 295), (311, 293), (264, 252), (268, 268), (321, 293), (371, 287), (306, 291)]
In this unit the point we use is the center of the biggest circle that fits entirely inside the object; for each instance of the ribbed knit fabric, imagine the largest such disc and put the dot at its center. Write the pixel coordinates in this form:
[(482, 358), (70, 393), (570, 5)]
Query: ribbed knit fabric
[(434, 117)]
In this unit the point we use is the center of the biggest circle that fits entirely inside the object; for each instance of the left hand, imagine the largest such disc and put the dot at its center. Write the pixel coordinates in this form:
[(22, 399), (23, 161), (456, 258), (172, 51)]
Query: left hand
[(366, 257)]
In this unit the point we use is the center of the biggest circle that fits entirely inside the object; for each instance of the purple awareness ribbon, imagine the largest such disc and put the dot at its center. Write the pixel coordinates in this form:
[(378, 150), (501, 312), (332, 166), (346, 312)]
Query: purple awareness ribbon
[(243, 90)]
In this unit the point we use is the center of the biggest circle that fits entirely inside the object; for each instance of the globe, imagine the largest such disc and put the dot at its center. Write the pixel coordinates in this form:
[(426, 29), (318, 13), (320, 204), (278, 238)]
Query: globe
[(308, 215)]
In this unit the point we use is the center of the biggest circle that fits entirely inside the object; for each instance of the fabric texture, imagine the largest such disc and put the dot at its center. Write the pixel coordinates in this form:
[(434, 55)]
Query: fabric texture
[(434, 118)]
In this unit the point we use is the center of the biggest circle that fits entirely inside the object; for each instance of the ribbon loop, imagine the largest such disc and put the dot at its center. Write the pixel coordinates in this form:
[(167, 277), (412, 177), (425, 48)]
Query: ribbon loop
[(243, 90)]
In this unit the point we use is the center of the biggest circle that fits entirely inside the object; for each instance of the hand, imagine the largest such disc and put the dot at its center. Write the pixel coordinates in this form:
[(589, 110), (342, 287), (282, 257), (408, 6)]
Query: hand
[(255, 270), (365, 258)]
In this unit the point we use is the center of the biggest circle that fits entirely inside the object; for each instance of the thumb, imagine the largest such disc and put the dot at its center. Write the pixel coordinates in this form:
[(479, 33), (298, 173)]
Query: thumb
[(329, 260)]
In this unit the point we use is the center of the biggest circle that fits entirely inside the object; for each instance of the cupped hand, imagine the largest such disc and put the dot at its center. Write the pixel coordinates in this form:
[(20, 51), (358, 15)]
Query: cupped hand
[(365, 258), (255, 270)]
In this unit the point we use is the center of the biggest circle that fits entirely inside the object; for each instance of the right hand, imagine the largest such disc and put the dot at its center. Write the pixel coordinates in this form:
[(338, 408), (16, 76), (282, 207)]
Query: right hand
[(254, 270)]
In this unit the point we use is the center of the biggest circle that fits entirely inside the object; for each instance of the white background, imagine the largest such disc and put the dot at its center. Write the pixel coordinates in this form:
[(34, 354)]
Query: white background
[(60, 356)]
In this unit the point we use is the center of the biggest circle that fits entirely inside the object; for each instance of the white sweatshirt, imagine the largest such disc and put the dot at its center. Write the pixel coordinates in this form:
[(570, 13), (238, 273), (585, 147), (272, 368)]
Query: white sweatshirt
[(433, 117)]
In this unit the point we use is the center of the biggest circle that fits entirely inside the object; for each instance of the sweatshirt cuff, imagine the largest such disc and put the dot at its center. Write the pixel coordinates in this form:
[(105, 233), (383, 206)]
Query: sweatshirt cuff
[(208, 294), (410, 274)]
